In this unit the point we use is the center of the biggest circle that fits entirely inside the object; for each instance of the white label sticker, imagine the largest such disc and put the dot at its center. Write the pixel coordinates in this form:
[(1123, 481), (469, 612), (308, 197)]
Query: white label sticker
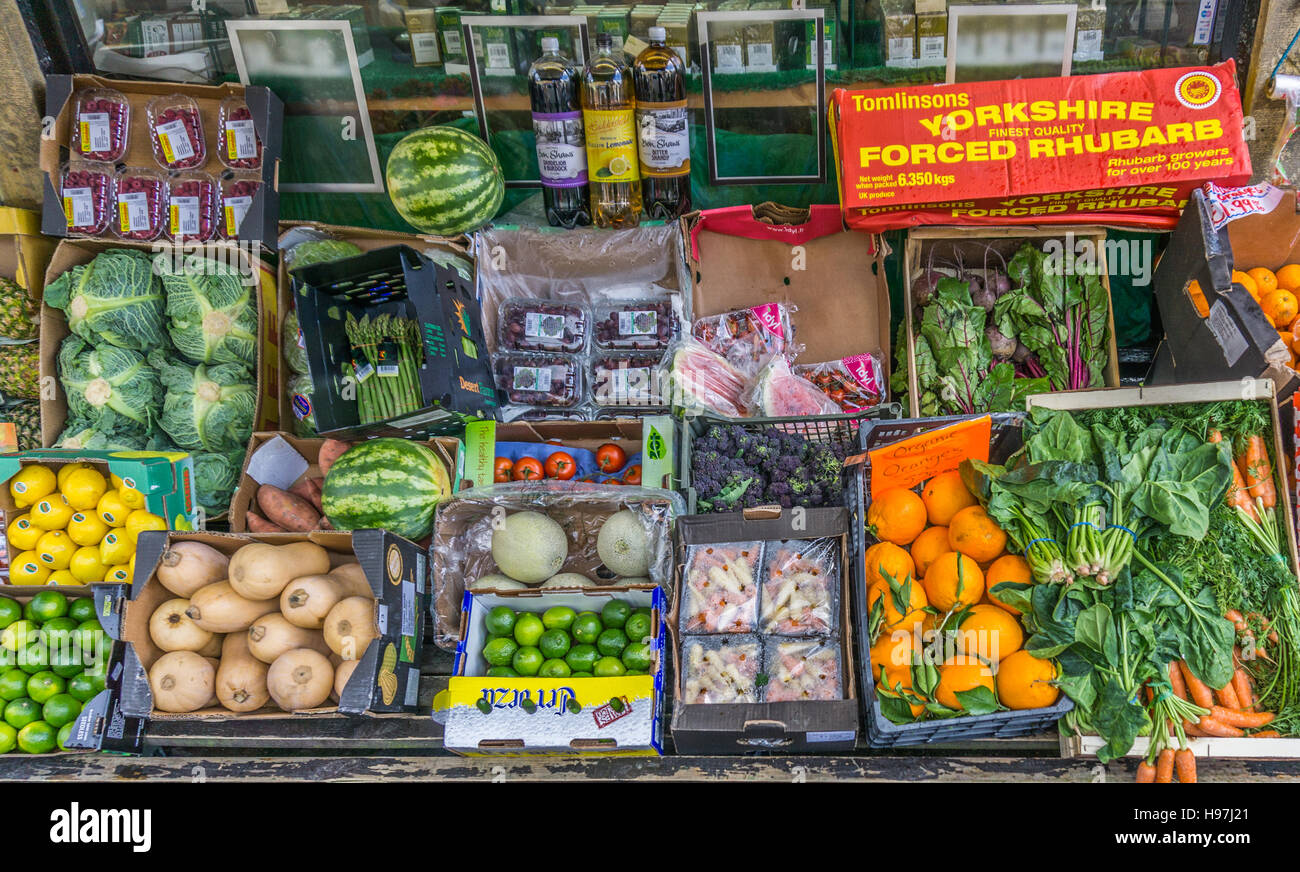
[(759, 55), (241, 139), (498, 56), (641, 323), (424, 47), (236, 208), (532, 378), (184, 216), (932, 48), (79, 204), (538, 325), (451, 39), (820, 736), (175, 141), (728, 58), (96, 132), (409, 613), (664, 138), (133, 211), (901, 48), (1225, 330)]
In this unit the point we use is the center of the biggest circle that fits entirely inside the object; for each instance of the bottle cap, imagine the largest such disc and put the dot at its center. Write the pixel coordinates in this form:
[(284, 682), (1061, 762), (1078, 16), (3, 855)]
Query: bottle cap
[(658, 34), (604, 40), (550, 45)]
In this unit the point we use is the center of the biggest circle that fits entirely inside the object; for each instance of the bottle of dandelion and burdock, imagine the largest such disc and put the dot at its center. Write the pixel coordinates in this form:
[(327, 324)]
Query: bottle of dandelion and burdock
[(554, 83)]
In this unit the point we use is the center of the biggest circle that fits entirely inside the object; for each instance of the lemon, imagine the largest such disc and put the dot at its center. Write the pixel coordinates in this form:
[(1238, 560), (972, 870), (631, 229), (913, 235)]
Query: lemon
[(618, 166), (55, 549), (131, 497), (140, 520), (115, 480), (111, 510), (52, 513), (83, 489), (116, 548), (31, 483), (22, 534), (28, 569), (130, 566), (63, 577), (118, 575), (86, 566), (86, 528), (68, 469)]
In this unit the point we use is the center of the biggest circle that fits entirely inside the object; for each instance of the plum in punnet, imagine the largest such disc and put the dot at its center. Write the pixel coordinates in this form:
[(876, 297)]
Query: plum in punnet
[(539, 379), (87, 193), (141, 195), (176, 132), (541, 325), (99, 124)]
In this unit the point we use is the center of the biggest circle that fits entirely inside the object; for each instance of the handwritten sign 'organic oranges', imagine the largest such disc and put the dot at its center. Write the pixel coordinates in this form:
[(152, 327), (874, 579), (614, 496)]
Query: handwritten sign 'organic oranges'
[(911, 461)]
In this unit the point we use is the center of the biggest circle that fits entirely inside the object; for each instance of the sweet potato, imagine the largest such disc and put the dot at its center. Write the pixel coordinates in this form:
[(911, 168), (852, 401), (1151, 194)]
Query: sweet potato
[(293, 513), (258, 524), (330, 451), (309, 489)]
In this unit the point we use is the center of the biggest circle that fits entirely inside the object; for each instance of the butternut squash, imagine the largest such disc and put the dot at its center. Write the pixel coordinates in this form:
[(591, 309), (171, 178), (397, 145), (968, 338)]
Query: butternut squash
[(300, 679), (271, 635), (182, 681), (260, 572), (352, 578), (213, 648), (186, 567), (350, 627), (342, 673), (172, 630), (241, 678), (306, 601), (218, 609)]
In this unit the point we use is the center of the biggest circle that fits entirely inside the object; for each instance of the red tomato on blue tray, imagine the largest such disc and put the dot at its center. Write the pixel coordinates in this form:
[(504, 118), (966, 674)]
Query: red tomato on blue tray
[(633, 474), (610, 457), (502, 468), (560, 465), (527, 469)]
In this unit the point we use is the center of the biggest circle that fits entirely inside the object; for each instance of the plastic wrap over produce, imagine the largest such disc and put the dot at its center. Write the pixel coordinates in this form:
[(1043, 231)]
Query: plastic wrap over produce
[(551, 535)]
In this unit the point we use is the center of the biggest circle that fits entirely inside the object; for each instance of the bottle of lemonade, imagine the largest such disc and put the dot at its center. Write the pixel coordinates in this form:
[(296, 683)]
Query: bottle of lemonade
[(663, 129), (610, 126), (553, 84)]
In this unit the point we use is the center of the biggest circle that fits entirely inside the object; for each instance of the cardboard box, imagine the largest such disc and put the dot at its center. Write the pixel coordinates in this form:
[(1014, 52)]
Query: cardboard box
[(1126, 148), (651, 437), (258, 225), (971, 243), (806, 726), (581, 714), (398, 574), (1225, 335), (24, 251), (1261, 390), (296, 450), (422, 29), (743, 256), (54, 326)]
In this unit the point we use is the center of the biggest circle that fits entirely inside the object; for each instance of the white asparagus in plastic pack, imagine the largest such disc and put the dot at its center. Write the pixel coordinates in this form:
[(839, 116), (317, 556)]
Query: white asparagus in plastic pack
[(802, 670), (721, 669), (721, 590), (800, 590)]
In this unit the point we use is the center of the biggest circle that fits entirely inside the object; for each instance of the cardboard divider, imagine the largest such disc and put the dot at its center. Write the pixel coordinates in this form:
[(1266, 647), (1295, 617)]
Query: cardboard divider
[(24, 250)]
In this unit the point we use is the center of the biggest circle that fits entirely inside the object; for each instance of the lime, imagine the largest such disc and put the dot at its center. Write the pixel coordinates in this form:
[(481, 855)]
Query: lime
[(608, 667), (19, 634), (65, 660), (611, 642), (638, 628), (581, 658), (615, 613), (558, 618), (528, 629), (82, 687), (502, 672), (43, 685), (528, 660), (64, 624), (65, 733), (61, 709), (641, 611), (500, 621), (95, 645), (97, 676), (46, 606), (581, 675), (34, 658), (10, 611), (586, 627), (554, 644), (555, 668), (21, 712), (82, 609), (8, 738), (500, 651), (637, 656), (13, 684), (37, 737)]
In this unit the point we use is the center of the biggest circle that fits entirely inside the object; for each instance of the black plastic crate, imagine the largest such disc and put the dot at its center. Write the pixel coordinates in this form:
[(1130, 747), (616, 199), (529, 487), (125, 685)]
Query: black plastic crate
[(880, 731), (841, 431)]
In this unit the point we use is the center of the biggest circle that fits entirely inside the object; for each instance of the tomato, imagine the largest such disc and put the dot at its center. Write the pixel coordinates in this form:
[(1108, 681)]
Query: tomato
[(527, 469), (560, 465), (501, 469), (633, 474), (610, 458)]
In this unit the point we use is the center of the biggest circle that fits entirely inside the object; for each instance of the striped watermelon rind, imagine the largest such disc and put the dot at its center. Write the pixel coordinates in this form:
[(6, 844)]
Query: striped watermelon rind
[(445, 181), (390, 484)]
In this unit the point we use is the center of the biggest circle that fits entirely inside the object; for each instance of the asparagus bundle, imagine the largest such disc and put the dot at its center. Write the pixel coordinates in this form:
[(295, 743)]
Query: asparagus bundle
[(386, 356)]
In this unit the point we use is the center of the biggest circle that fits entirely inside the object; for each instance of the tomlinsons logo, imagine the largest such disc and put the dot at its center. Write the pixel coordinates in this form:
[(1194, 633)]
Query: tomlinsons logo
[(77, 825)]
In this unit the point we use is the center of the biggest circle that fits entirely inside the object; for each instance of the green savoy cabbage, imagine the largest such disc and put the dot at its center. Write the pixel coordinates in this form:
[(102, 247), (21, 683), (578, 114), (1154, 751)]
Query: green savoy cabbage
[(115, 298), (211, 311), (105, 434), (206, 408), (215, 478), (106, 378)]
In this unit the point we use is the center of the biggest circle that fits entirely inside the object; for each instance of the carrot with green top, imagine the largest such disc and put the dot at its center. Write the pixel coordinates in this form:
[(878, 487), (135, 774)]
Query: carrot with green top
[(1146, 773), (1238, 495), (1240, 719), (1165, 767), (1258, 471), (1200, 694), (1185, 763)]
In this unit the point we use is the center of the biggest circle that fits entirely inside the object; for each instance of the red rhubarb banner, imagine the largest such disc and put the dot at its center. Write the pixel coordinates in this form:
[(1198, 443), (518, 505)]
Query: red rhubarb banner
[(1120, 149)]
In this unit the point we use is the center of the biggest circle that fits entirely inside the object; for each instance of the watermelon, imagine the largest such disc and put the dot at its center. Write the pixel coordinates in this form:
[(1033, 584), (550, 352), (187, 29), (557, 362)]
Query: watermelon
[(391, 484), (445, 181)]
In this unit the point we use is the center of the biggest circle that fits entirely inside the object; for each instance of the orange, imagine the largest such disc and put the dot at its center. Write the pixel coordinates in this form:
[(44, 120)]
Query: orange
[(1010, 567), (944, 496), (1279, 307), (1023, 682), (1288, 338), (1289, 277), (932, 542), (1197, 297), (1264, 280), (887, 560), (896, 679), (893, 618), (1295, 342), (987, 631), (953, 579), (975, 534), (958, 673), (1241, 278), (897, 516), (893, 650)]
